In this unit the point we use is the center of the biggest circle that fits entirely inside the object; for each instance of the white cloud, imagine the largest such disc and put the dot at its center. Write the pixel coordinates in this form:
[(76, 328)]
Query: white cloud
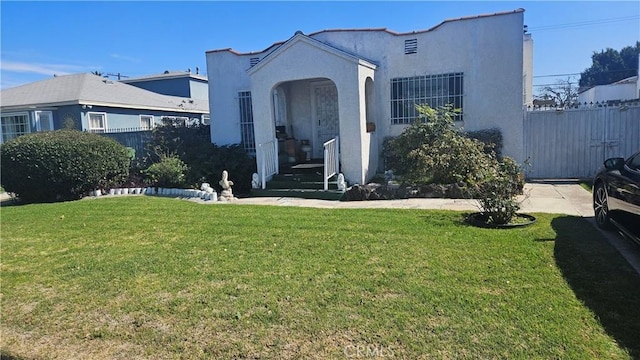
[(43, 69)]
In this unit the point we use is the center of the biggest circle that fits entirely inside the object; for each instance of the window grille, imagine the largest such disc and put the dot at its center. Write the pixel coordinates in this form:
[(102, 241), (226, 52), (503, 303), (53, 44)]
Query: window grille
[(246, 122), (14, 126), (434, 90), (411, 46)]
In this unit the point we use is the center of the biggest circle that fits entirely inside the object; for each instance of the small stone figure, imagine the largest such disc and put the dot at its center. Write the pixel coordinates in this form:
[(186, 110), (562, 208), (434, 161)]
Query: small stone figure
[(226, 193), (342, 184), (255, 181)]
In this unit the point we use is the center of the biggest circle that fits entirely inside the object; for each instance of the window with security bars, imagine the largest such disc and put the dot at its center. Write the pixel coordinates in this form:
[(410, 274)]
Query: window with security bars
[(246, 122), (14, 125), (434, 90)]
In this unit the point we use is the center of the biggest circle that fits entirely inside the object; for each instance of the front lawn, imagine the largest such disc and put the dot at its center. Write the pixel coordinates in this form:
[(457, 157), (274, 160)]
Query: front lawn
[(148, 277)]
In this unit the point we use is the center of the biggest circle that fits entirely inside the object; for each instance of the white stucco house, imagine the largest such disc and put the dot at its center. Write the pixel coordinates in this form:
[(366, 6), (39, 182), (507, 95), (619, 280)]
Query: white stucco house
[(625, 89), (360, 86)]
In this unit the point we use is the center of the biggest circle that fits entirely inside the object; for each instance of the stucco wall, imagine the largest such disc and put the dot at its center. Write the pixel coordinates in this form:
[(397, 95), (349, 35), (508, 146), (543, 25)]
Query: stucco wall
[(489, 51), (601, 93)]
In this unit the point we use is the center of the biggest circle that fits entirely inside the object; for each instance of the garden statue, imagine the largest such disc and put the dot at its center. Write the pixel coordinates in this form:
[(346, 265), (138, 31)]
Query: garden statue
[(225, 183), (342, 184), (255, 181)]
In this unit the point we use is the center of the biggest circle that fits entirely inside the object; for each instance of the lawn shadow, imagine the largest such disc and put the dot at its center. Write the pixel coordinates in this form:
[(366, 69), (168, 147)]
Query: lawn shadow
[(601, 278)]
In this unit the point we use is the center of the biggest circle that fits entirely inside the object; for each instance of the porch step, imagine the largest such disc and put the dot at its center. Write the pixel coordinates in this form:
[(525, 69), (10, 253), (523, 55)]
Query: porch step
[(292, 184), (300, 177), (299, 193)]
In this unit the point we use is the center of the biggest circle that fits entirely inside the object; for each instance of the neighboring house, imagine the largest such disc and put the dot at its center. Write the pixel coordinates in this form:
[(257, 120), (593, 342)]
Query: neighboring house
[(175, 83), (625, 89), (91, 103), (363, 86)]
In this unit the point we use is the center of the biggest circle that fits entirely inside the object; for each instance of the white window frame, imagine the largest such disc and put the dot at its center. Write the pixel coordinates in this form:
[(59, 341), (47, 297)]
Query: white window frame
[(97, 129), (151, 125), (38, 124), (14, 134)]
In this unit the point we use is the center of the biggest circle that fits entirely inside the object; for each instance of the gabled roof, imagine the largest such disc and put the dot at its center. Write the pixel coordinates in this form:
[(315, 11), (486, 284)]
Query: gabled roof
[(391, 32), (300, 37), (164, 76), (91, 89)]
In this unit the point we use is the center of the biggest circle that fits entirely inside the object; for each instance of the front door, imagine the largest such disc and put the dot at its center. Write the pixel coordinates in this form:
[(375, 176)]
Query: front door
[(325, 116)]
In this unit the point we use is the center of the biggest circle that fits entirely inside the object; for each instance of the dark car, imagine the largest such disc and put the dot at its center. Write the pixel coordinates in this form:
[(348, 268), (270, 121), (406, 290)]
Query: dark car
[(616, 195)]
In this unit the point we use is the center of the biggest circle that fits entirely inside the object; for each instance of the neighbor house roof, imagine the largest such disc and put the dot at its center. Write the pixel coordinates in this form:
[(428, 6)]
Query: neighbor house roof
[(166, 75), (90, 89), (519, 10)]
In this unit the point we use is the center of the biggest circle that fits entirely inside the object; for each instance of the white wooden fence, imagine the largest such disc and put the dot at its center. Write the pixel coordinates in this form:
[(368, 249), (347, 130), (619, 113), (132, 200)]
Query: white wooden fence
[(573, 143)]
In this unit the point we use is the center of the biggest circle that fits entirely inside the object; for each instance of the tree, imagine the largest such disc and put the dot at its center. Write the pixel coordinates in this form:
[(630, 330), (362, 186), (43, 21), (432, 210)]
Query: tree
[(563, 94), (610, 65)]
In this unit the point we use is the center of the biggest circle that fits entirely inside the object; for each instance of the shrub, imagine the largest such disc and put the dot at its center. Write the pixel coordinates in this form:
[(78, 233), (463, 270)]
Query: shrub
[(432, 150), (206, 161), (490, 138), (61, 165), (497, 194), (168, 172)]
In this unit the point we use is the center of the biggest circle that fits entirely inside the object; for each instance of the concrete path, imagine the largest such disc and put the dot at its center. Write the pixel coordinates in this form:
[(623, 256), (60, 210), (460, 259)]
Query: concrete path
[(570, 199)]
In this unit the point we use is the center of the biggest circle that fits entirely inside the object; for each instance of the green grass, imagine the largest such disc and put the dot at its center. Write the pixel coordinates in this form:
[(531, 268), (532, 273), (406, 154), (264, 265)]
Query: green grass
[(587, 185), (146, 277)]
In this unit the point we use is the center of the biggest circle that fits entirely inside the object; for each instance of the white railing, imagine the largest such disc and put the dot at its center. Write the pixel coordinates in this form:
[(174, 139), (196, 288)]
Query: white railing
[(268, 160), (331, 160)]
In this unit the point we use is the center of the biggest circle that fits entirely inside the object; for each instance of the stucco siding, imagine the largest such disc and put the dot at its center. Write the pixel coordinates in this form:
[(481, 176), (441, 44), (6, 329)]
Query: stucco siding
[(491, 52), (227, 76)]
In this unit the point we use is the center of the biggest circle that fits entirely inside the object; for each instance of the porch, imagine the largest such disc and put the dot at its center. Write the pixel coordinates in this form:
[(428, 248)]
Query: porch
[(287, 169), (301, 180)]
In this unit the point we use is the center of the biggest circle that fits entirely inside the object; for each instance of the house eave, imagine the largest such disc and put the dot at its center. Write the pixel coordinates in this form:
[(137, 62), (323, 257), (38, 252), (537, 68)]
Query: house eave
[(315, 43)]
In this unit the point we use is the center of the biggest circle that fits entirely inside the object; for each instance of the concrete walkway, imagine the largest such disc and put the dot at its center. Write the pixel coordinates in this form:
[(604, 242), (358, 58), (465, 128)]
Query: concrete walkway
[(570, 199)]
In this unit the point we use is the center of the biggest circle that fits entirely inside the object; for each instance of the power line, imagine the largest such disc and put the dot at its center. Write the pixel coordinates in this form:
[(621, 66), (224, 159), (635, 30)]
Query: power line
[(585, 23), (556, 75)]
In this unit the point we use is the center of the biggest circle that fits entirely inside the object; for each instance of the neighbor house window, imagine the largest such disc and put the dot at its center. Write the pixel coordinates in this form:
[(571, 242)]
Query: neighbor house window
[(146, 122), (175, 120), (14, 125), (44, 120), (246, 122), (434, 90), (97, 122)]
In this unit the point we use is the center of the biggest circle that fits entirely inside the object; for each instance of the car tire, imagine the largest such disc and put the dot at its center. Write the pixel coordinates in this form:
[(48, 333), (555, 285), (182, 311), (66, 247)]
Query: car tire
[(601, 206)]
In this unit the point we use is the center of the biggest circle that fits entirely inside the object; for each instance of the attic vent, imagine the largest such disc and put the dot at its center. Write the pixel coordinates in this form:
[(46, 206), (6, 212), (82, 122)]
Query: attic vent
[(411, 46), (253, 61)]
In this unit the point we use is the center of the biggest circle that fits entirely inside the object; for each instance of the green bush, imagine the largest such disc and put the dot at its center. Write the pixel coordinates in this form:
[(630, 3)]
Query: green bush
[(433, 150), (490, 138), (497, 194), (61, 165), (206, 161), (168, 172)]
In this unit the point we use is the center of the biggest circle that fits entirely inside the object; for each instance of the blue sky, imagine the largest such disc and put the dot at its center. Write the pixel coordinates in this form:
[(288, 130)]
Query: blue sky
[(39, 39)]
